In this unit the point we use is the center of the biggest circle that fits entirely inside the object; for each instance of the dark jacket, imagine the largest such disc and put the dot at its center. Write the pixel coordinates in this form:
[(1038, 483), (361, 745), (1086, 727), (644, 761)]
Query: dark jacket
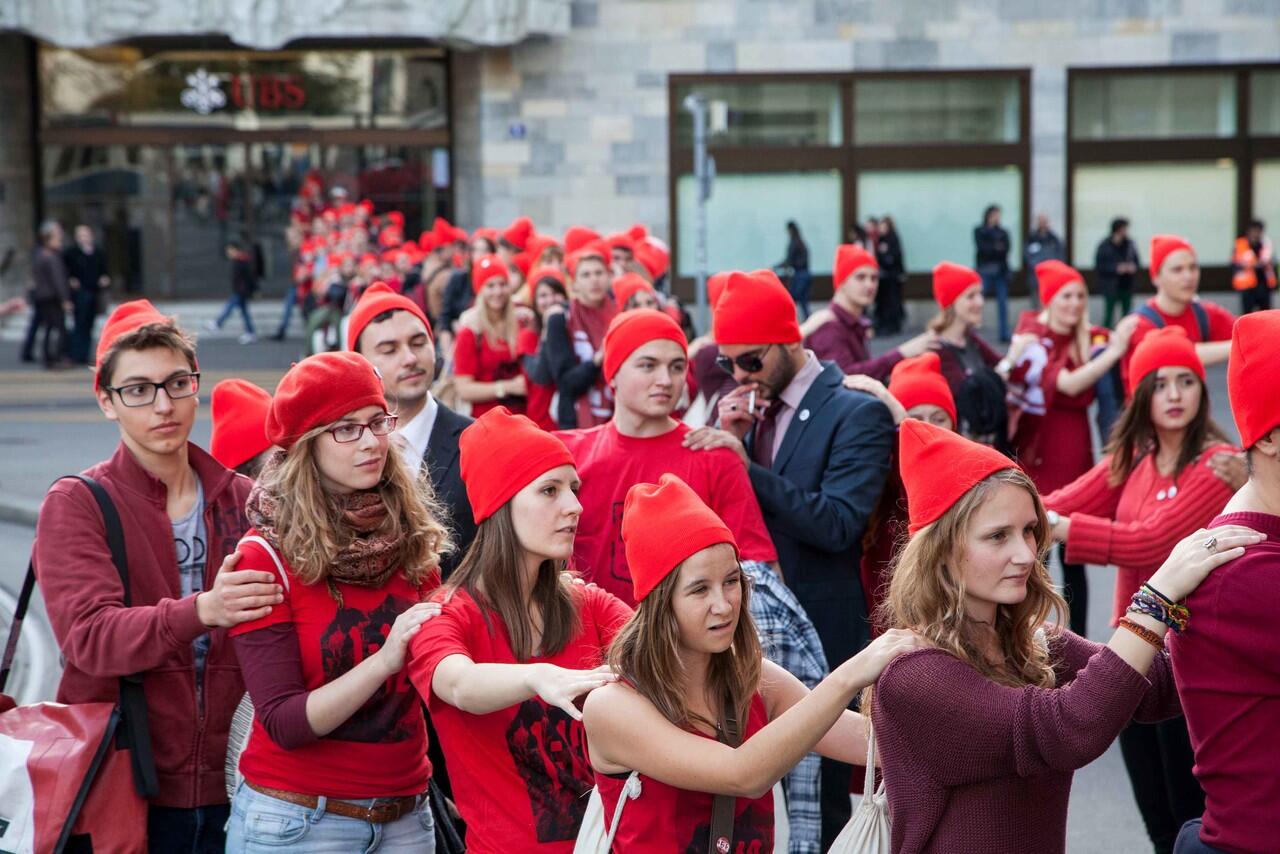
[(889, 255), (458, 297), (85, 267), (446, 479), (824, 483), (49, 276), (992, 243), (797, 256), (1041, 246), (1109, 255), (572, 376), (101, 640), (243, 280)]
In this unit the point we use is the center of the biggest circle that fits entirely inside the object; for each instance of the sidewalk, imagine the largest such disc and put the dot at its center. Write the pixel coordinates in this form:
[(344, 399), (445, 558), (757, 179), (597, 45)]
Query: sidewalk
[(192, 314)]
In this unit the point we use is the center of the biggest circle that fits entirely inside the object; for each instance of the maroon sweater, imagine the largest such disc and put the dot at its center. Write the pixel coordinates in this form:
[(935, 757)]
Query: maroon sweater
[(1227, 664), (843, 340), (975, 766)]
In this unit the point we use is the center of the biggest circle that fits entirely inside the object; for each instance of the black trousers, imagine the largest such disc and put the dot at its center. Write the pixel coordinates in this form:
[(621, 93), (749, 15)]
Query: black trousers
[(1075, 589), (86, 312), (52, 319), (187, 831), (1159, 759), (1255, 299)]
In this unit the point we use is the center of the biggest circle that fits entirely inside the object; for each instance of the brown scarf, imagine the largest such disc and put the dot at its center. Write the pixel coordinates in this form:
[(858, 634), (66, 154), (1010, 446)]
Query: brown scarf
[(369, 558)]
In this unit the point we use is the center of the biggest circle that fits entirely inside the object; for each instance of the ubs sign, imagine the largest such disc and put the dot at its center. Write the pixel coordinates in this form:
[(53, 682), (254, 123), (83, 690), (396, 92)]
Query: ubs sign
[(244, 91)]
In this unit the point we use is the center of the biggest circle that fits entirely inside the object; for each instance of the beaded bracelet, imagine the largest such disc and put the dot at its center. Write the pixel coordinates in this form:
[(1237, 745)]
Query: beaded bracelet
[(1173, 616), (1143, 632), (1156, 593)]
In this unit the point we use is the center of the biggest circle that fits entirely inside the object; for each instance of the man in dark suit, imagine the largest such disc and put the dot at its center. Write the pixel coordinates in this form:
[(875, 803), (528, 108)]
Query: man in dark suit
[(817, 455)]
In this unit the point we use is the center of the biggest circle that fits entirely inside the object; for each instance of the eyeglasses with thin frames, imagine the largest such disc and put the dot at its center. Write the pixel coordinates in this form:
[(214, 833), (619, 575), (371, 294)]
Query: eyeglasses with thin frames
[(144, 394), (752, 363), (380, 426)]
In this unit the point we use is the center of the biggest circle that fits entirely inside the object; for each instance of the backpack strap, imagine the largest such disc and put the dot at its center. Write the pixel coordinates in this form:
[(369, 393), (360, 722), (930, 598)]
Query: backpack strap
[(15, 629), (723, 807), (1202, 318), (1149, 314), (271, 553)]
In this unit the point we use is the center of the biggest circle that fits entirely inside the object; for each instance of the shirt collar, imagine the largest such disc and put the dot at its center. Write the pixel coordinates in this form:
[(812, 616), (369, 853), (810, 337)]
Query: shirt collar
[(794, 393), (417, 431), (847, 317)]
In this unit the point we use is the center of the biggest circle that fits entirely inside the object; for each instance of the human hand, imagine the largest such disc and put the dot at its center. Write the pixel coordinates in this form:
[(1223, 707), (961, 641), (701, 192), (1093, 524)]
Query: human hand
[(1230, 468), (708, 438), (872, 386), (237, 596), (865, 667), (736, 411), (517, 386), (919, 345), (560, 686), (1192, 559), (1021, 341), (1123, 333), (391, 655)]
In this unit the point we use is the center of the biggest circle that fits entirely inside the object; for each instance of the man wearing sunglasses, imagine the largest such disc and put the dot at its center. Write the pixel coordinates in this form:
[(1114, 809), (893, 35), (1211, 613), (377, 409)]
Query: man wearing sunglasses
[(182, 514), (817, 455)]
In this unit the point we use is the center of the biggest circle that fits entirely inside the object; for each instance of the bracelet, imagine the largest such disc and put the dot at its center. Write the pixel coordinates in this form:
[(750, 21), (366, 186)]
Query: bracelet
[(1173, 616), (1156, 593), (500, 390), (1143, 632)]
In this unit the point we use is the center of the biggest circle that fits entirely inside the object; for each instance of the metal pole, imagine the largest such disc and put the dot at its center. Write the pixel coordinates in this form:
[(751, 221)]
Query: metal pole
[(697, 107)]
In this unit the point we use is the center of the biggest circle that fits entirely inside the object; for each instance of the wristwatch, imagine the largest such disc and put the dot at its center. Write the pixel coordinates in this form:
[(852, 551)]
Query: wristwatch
[(1054, 517)]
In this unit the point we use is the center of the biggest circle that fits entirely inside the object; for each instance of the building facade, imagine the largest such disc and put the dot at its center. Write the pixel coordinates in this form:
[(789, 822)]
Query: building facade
[(824, 112)]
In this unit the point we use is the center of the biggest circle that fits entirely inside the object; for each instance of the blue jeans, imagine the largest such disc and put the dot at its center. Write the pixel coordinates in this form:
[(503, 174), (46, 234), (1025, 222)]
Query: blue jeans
[(800, 285), (290, 300), (996, 284), (241, 302), (1189, 840), (261, 824)]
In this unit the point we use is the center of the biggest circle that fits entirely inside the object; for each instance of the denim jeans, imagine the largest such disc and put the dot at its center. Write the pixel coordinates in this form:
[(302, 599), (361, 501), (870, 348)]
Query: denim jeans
[(996, 283), (241, 302), (800, 285), (261, 823), (1189, 840), (290, 300)]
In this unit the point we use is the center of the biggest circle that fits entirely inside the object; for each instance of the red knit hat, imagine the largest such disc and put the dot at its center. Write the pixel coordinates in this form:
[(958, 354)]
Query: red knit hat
[(128, 317), (850, 257), (239, 422), (579, 236), (950, 281), (621, 240), (595, 249), (715, 286), (918, 380), (638, 233), (1168, 347), (319, 390), (1162, 245), (654, 258), (627, 285), (487, 267), (630, 330), (501, 454), (522, 261), (755, 308), (540, 243), (379, 298), (537, 274), (1053, 276), (1251, 370), (519, 232), (663, 525), (938, 467)]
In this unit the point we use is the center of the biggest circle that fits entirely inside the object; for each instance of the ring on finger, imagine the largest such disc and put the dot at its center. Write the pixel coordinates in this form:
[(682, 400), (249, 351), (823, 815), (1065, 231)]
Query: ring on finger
[(1211, 544)]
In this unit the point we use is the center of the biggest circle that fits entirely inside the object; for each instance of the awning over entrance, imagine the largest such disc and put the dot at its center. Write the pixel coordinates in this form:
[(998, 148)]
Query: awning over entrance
[(268, 24)]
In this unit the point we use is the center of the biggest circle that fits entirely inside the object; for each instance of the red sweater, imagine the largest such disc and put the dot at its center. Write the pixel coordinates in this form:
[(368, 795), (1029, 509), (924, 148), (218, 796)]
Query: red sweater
[(1229, 680), (975, 766), (1136, 524)]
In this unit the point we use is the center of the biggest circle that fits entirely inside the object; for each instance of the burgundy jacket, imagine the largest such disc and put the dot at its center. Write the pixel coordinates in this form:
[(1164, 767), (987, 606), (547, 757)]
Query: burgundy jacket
[(101, 640)]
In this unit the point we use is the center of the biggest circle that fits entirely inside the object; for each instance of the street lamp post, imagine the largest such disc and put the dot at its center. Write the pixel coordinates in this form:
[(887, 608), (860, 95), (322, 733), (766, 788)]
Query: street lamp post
[(704, 172)]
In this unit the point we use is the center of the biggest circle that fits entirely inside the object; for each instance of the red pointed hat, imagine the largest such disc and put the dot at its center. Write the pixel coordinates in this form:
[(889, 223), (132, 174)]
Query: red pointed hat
[(755, 308), (519, 232), (1251, 371), (127, 318), (950, 281), (239, 411), (500, 454), (631, 330), (1053, 276), (663, 525), (1162, 246), (919, 380), (850, 257), (938, 467), (1168, 347), (379, 298), (579, 236)]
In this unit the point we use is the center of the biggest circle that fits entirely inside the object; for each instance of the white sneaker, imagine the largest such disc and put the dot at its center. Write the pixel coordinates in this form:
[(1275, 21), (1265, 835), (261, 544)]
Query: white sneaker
[(248, 338), (212, 325)]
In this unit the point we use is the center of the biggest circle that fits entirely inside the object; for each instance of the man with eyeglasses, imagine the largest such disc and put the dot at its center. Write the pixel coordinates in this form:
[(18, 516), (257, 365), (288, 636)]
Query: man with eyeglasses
[(182, 514), (817, 455)]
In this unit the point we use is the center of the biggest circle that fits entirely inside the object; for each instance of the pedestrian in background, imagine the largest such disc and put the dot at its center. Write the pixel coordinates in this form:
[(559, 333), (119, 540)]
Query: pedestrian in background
[(51, 296), (890, 313), (87, 275), (1116, 264), (796, 264), (1041, 245), (244, 283), (992, 244), (1253, 266)]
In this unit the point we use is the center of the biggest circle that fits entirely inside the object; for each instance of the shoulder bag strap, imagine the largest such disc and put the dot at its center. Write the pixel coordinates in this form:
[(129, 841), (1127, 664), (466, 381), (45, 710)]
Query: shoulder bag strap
[(630, 791), (11, 646), (136, 732), (1150, 314), (869, 779), (723, 807)]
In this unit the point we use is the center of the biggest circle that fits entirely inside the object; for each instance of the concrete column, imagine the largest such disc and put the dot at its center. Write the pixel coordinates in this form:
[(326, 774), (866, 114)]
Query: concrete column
[(17, 161)]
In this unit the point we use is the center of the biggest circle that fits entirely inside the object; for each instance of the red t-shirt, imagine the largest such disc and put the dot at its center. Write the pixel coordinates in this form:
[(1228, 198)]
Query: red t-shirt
[(668, 819), (609, 464), (381, 750), (538, 406), (485, 361), (520, 775), (1220, 323)]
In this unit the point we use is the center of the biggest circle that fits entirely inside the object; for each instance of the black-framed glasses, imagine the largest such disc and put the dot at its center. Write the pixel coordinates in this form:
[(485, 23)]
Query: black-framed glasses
[(144, 394), (752, 363), (380, 426)]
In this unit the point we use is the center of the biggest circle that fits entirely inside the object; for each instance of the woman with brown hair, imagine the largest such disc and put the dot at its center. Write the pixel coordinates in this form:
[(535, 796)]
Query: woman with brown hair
[(337, 753), (979, 736), (698, 713), (517, 642), (1155, 485)]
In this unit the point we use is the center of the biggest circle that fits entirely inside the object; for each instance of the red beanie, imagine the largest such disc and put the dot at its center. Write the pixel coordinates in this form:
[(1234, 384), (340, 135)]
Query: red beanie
[(1168, 347), (621, 240), (755, 308), (537, 274), (522, 261), (519, 232), (715, 286), (239, 422), (128, 317), (638, 233), (919, 380), (850, 257), (594, 249), (379, 298), (501, 454), (654, 259), (950, 281), (1053, 276), (630, 330), (627, 285), (319, 390), (485, 268), (579, 236), (663, 525), (938, 467), (1251, 371), (1162, 245)]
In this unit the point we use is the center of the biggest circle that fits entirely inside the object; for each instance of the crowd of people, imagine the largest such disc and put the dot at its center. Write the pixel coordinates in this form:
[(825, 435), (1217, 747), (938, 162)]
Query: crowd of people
[(679, 570)]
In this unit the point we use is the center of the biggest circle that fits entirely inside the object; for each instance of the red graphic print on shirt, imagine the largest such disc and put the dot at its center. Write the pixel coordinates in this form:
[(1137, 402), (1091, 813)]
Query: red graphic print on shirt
[(353, 636), (550, 755)]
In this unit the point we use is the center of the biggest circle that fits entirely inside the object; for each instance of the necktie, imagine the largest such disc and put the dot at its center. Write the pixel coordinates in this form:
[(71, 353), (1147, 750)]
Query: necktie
[(766, 429)]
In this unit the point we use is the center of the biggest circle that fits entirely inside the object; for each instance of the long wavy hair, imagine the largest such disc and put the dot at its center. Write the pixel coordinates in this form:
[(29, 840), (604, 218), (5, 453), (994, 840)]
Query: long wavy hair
[(492, 573), (1134, 435), (309, 524), (646, 653), (926, 592)]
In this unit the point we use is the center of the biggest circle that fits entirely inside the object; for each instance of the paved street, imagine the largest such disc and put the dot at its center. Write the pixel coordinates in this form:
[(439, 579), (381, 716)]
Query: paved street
[(50, 425)]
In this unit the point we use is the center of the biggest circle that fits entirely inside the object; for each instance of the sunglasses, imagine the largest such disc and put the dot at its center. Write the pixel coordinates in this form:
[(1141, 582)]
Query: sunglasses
[(752, 363)]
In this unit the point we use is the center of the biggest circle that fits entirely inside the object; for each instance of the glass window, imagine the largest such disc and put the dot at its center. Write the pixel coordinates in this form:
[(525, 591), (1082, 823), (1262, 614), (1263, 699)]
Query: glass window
[(766, 114), (1165, 106), (942, 228), (1266, 194), (936, 110), (1264, 103), (1194, 200), (747, 217)]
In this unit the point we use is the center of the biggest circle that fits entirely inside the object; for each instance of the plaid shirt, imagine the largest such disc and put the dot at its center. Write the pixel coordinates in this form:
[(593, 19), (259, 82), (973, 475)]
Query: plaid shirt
[(790, 641)]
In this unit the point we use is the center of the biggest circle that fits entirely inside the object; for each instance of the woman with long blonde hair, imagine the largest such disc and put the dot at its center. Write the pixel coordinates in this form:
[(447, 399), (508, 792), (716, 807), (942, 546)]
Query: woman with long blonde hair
[(697, 712), (486, 359), (979, 736), (337, 753)]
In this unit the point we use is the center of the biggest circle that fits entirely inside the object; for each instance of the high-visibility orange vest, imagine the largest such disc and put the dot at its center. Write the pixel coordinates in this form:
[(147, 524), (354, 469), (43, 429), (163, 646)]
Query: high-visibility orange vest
[(1246, 262)]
